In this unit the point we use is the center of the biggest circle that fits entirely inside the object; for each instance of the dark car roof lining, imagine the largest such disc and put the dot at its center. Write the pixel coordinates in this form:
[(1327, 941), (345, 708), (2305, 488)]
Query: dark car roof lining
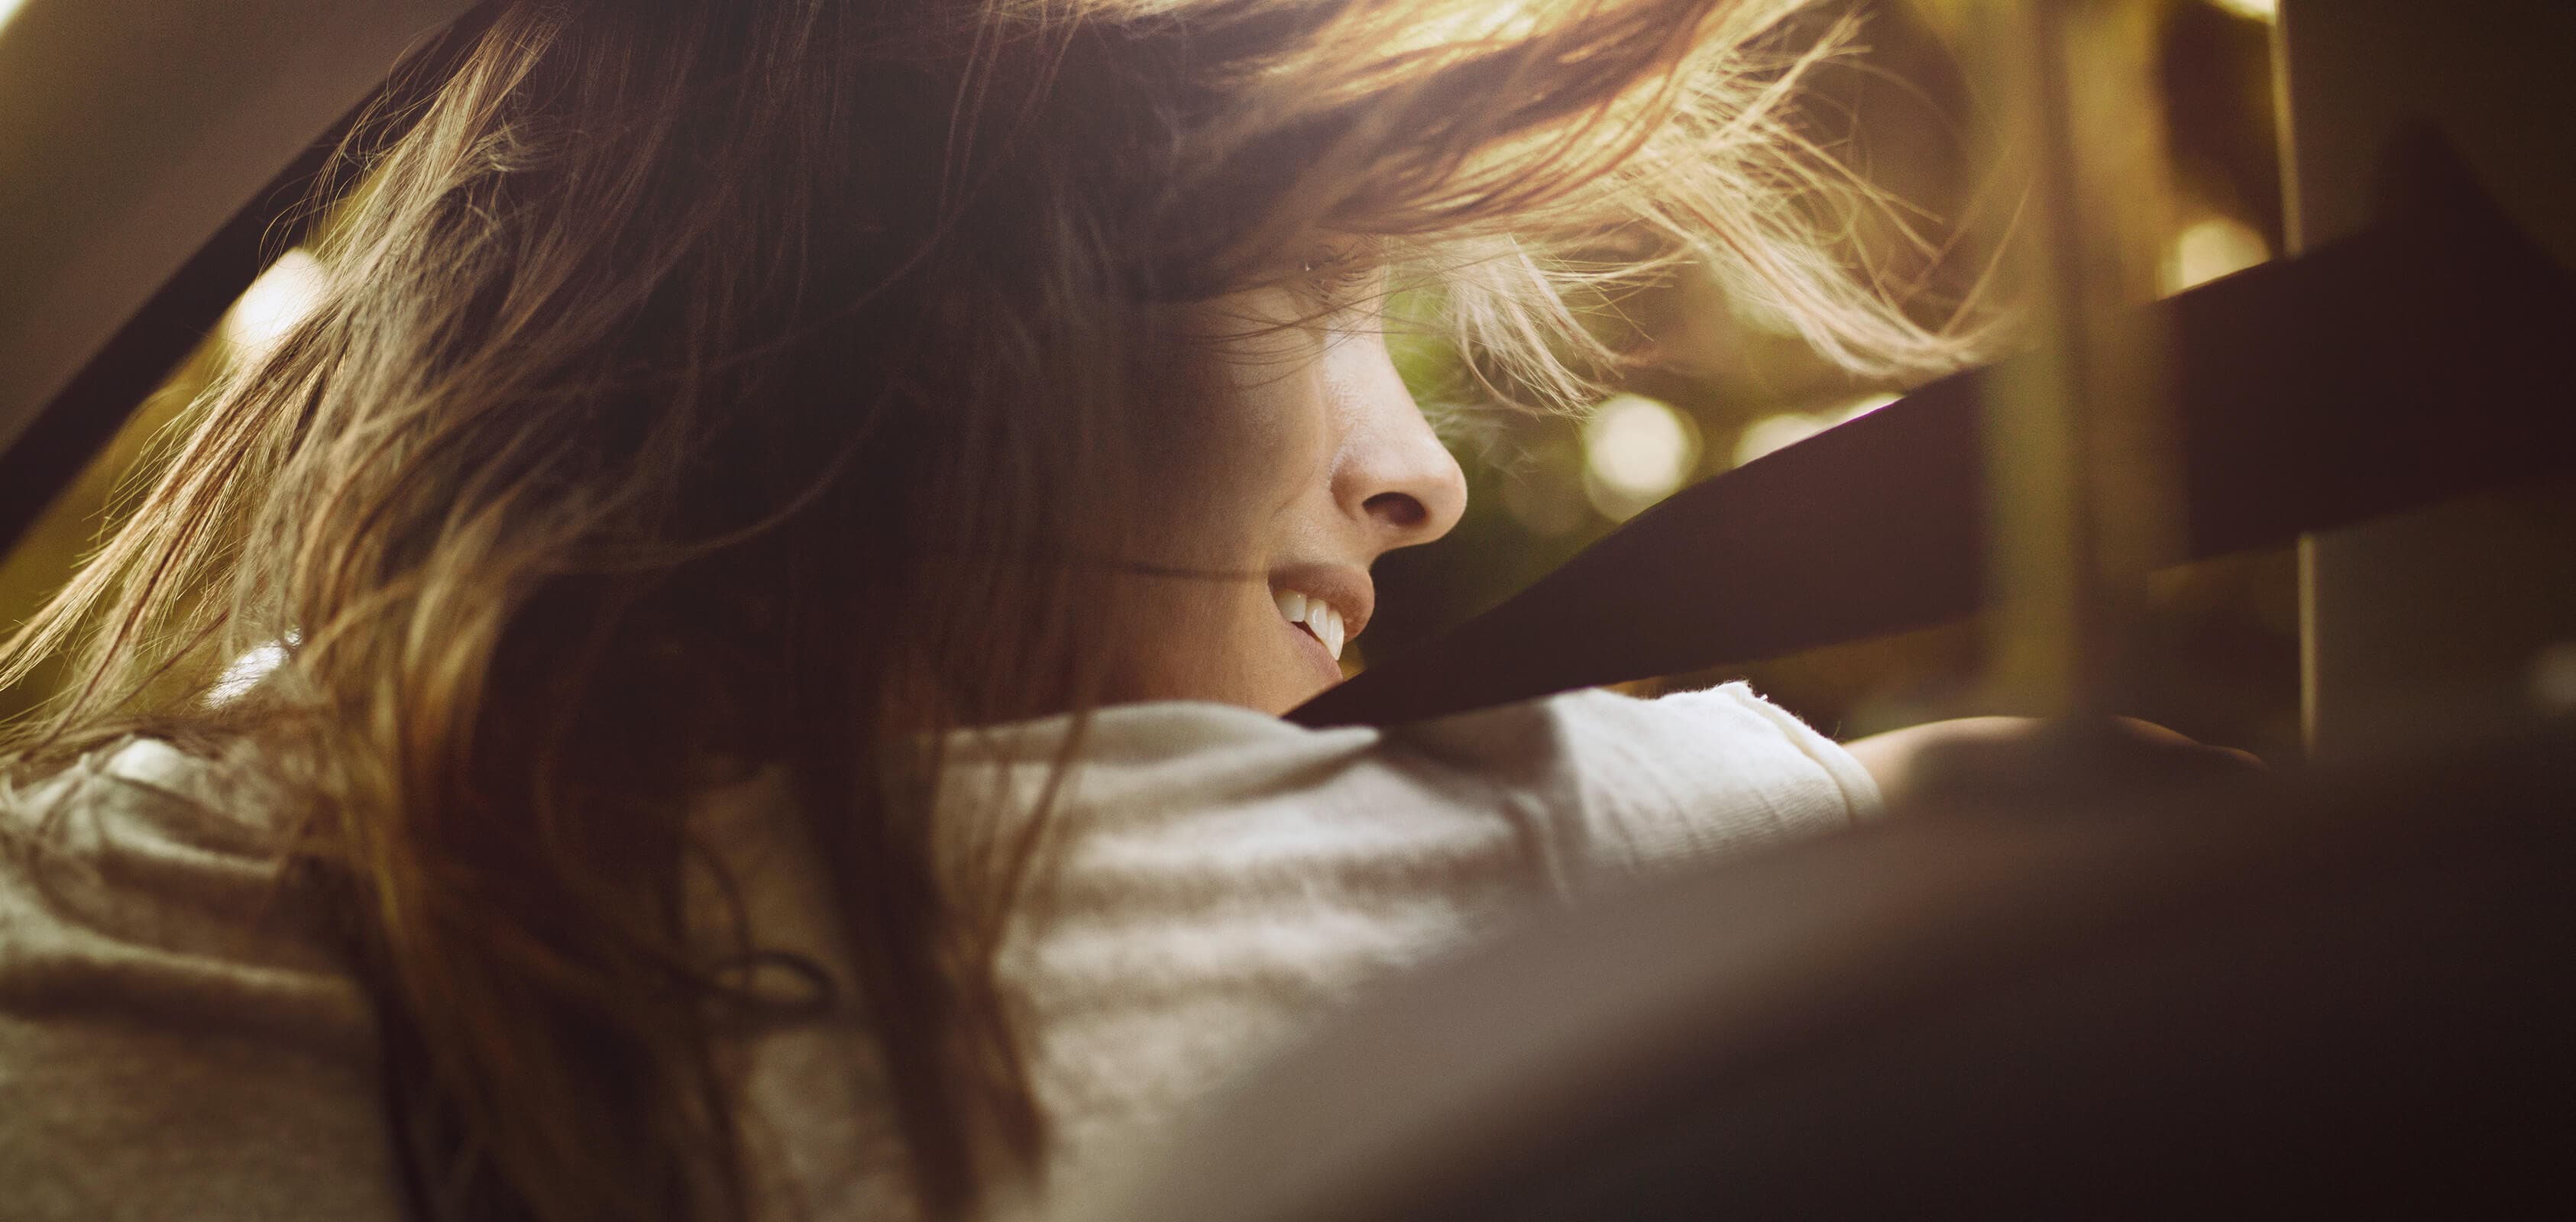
[(151, 153), (59, 442)]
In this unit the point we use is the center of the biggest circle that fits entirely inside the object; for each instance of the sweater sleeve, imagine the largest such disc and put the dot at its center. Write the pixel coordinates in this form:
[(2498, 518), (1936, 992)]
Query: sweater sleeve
[(1639, 786)]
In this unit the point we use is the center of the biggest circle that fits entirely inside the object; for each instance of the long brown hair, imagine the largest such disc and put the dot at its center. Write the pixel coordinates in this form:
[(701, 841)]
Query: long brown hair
[(706, 387)]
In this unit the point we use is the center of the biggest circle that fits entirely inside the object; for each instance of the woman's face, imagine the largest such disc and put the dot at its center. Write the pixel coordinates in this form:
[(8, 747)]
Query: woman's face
[(1305, 460)]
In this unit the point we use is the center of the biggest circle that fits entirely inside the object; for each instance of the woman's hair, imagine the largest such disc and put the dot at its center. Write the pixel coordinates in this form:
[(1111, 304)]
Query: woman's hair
[(707, 388)]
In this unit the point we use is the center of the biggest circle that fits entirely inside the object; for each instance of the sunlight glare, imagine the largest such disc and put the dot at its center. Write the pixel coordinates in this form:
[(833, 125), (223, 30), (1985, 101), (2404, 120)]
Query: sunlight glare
[(274, 303), (245, 673), (2211, 248)]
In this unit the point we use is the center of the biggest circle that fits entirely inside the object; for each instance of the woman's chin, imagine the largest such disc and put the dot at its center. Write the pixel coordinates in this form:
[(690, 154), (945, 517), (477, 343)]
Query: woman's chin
[(1288, 677)]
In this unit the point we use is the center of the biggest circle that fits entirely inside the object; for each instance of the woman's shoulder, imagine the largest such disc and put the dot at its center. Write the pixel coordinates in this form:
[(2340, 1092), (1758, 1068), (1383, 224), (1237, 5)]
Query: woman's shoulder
[(1647, 784), (1591, 778), (1217, 876), (142, 845), (147, 793), (177, 1037)]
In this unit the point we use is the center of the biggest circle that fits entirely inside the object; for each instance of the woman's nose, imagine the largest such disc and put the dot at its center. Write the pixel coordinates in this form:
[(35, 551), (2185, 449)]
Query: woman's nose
[(1393, 476)]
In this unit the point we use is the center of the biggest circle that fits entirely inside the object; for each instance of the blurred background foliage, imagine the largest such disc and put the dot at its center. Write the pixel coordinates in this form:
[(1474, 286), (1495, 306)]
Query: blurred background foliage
[(1730, 385)]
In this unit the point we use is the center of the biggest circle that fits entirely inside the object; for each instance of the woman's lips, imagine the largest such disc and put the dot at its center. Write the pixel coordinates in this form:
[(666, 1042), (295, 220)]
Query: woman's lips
[(1316, 616), (1318, 627), (1325, 606)]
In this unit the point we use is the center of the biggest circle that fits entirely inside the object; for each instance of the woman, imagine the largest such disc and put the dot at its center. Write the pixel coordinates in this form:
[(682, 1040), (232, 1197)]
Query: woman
[(718, 412)]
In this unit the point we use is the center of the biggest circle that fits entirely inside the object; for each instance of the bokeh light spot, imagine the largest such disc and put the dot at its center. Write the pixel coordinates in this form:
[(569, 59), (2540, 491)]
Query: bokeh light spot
[(1636, 452), (1776, 433), (1864, 405), (1789, 428)]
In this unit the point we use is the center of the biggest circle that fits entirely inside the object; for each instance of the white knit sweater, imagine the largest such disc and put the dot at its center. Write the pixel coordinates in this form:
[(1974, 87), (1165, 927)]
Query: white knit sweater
[(1218, 878)]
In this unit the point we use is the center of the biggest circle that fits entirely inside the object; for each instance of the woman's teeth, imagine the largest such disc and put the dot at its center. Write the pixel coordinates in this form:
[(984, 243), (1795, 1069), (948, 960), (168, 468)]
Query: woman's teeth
[(1315, 616)]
